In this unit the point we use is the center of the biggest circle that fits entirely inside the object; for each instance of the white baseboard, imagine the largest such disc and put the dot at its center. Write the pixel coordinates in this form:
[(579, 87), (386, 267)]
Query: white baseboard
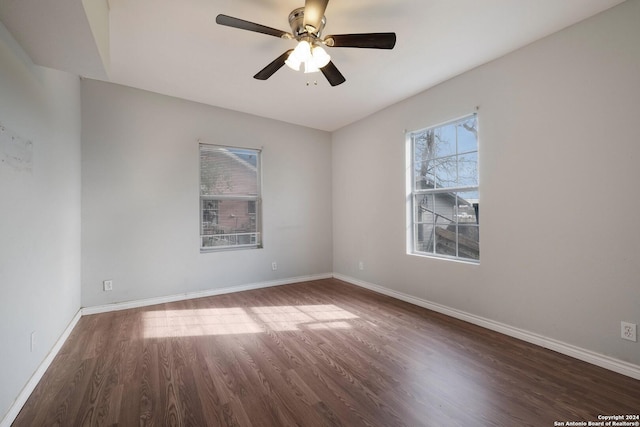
[(17, 405), (588, 356), (616, 365), (199, 294)]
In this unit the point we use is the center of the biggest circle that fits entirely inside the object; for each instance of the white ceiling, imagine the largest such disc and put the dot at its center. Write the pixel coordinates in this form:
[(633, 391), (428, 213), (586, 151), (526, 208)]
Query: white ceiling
[(174, 47)]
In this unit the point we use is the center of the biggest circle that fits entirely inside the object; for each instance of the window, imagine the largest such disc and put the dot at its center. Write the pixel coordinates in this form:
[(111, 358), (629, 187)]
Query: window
[(229, 198), (444, 198)]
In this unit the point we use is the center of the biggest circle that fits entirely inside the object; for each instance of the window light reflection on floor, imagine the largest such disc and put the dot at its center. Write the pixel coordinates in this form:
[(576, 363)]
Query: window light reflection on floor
[(238, 320)]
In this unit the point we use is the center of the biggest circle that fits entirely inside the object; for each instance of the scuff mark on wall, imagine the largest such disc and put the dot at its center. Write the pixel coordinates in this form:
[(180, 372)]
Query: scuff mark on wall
[(15, 151)]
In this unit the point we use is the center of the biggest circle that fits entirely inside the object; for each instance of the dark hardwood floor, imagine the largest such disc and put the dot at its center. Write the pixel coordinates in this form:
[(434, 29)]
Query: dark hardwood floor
[(312, 354)]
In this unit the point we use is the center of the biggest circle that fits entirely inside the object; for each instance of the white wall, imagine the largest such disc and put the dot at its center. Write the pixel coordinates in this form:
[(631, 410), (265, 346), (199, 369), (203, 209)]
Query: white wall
[(140, 202), (559, 173), (559, 140), (39, 213)]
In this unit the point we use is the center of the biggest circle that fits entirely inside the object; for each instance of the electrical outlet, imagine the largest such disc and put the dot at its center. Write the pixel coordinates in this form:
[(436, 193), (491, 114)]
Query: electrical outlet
[(274, 266), (628, 331), (107, 285), (33, 341), (361, 265)]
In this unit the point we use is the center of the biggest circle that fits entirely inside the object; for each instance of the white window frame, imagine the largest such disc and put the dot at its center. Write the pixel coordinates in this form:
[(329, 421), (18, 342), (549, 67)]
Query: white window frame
[(249, 240), (413, 193)]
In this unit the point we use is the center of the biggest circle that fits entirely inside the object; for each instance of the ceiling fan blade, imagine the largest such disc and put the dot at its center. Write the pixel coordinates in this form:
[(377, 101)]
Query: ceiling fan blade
[(364, 40), (274, 66), (332, 74), (314, 12), (230, 21)]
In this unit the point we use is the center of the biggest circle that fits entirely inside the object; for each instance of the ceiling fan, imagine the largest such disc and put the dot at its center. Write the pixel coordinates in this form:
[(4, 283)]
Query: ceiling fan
[(307, 24)]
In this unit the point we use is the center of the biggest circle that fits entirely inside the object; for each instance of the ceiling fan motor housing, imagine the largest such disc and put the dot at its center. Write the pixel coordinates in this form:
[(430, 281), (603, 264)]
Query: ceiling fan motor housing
[(296, 21)]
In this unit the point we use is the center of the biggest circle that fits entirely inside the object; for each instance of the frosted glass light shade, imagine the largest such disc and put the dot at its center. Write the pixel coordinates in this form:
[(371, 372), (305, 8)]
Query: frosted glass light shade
[(320, 57), (313, 58), (293, 62)]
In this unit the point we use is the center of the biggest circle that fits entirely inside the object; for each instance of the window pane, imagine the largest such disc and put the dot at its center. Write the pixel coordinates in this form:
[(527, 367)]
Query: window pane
[(444, 206), (230, 240), (468, 170), (445, 172), (424, 238), (424, 175), (234, 217), (445, 141), (446, 222), (229, 203), (423, 145), (467, 208), (469, 241), (445, 234), (235, 224), (228, 171), (208, 216), (249, 156), (424, 208), (467, 135)]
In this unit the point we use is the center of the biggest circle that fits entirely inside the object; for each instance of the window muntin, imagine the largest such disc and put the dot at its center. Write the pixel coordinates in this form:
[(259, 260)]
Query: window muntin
[(444, 190), (230, 197)]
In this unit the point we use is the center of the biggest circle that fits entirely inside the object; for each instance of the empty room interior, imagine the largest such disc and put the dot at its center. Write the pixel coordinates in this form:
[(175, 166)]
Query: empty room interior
[(267, 213)]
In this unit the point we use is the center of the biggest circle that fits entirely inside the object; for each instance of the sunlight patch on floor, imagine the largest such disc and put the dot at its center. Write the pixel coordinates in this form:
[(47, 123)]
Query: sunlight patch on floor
[(290, 318), (238, 320)]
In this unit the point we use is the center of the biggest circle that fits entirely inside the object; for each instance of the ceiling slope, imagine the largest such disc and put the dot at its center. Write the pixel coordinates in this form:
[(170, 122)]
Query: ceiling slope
[(176, 48), (60, 34)]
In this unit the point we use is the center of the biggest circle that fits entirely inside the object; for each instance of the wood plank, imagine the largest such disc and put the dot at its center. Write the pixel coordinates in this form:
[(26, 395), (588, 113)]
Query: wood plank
[(314, 353)]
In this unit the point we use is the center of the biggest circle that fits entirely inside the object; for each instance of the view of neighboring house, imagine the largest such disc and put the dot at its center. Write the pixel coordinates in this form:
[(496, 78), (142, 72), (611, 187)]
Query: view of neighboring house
[(445, 189), (449, 219), (229, 191)]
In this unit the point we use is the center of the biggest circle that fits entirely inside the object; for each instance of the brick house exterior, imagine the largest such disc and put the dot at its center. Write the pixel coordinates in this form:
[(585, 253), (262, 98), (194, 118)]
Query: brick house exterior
[(226, 173)]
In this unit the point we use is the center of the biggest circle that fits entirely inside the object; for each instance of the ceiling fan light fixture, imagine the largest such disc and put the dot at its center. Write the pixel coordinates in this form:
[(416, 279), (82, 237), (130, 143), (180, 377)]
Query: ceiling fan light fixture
[(320, 57), (307, 24), (313, 58), (293, 63), (310, 67), (302, 52)]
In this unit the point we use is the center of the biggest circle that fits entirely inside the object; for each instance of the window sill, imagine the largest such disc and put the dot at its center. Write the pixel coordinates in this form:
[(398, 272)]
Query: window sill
[(228, 248), (444, 258)]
